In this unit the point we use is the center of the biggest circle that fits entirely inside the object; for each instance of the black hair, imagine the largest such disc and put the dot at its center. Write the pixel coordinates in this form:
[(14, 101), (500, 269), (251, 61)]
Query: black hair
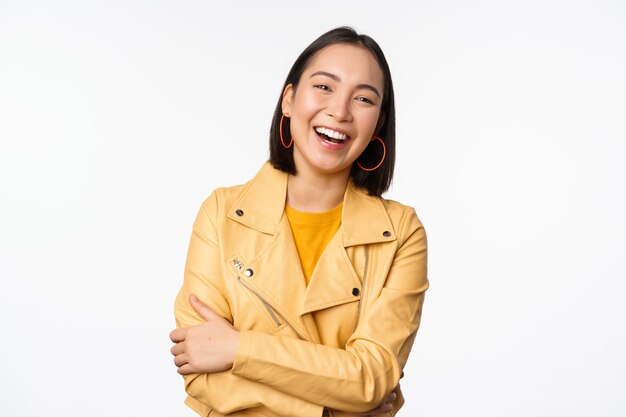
[(376, 182)]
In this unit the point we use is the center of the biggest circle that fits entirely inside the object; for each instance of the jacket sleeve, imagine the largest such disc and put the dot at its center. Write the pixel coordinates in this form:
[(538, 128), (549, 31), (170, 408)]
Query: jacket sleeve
[(224, 391), (359, 377)]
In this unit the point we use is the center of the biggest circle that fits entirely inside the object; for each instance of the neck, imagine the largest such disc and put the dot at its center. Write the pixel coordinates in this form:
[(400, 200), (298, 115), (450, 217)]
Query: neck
[(315, 193)]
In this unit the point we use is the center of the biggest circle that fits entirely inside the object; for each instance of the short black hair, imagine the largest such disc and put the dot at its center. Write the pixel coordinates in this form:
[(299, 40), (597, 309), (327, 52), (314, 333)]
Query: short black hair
[(376, 182)]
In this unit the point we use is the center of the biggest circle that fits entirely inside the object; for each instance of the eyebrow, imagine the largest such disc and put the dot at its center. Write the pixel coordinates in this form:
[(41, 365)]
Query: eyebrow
[(336, 78)]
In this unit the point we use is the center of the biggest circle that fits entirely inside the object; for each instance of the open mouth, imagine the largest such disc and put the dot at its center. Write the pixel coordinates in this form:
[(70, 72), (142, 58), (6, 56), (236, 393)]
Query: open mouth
[(330, 135)]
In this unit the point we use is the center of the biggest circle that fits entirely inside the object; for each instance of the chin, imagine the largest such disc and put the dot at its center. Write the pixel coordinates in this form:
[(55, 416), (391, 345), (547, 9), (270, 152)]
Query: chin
[(330, 167)]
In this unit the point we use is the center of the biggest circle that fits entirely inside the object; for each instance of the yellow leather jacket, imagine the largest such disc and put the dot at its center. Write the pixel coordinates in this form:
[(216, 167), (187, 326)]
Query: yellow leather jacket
[(342, 341)]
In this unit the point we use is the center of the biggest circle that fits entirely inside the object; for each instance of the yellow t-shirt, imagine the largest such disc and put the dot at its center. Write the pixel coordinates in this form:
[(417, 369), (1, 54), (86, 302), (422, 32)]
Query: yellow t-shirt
[(311, 233)]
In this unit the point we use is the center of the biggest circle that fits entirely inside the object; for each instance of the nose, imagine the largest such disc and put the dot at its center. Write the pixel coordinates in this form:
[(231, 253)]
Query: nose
[(339, 108)]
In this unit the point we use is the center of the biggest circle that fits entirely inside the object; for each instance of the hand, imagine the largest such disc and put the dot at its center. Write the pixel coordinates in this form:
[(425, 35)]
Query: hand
[(206, 348), (385, 407)]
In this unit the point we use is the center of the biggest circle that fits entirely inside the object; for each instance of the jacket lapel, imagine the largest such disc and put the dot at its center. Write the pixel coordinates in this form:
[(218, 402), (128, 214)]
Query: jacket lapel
[(267, 247), (262, 202), (364, 219), (335, 280), (278, 278)]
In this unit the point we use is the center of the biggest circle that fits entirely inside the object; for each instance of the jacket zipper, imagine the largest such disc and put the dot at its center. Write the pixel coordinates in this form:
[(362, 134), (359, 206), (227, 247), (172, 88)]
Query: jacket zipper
[(271, 311), (363, 282)]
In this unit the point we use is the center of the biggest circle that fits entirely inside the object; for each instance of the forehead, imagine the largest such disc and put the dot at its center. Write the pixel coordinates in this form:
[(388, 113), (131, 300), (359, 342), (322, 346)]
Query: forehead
[(351, 63)]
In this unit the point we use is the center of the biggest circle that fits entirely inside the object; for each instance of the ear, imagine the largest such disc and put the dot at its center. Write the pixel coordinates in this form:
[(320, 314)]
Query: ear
[(287, 99)]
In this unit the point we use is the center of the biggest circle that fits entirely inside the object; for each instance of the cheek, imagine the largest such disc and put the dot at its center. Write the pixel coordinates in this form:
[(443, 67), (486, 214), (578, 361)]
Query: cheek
[(299, 124), (308, 104), (304, 110), (368, 122)]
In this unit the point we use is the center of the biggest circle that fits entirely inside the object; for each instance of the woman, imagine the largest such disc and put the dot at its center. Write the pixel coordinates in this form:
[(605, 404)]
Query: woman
[(303, 288)]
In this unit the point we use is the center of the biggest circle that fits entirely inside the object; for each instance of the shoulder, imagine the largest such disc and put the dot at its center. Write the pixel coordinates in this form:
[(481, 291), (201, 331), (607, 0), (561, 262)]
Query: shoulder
[(397, 211), (262, 195), (221, 199), (403, 218)]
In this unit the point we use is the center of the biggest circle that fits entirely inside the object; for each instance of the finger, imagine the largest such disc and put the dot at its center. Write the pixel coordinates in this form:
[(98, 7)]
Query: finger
[(384, 408), (390, 398), (178, 348), (178, 335), (202, 309), (181, 360), (186, 369)]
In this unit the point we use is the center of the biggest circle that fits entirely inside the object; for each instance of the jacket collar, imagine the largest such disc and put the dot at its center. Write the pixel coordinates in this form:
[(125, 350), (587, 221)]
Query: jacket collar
[(262, 202)]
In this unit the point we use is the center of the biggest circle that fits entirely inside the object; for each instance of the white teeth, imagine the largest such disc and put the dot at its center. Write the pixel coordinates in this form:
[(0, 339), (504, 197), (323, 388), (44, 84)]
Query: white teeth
[(331, 133)]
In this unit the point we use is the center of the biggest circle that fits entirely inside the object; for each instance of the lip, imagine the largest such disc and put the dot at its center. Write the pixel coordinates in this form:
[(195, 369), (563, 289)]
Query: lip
[(336, 129), (330, 145)]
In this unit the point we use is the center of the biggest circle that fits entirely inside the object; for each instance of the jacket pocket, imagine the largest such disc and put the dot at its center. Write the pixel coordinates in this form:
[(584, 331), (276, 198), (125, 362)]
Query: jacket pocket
[(279, 322), (271, 312), (274, 322)]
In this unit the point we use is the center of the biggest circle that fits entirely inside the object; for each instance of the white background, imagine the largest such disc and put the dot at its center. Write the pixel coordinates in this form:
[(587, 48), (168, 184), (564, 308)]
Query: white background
[(118, 118)]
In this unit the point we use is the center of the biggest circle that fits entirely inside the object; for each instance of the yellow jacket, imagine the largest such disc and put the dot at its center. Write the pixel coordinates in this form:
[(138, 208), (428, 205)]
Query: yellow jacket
[(342, 341)]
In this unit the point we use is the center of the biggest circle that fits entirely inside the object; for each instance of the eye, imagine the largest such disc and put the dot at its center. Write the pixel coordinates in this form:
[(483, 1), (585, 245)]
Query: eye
[(322, 87), (364, 100)]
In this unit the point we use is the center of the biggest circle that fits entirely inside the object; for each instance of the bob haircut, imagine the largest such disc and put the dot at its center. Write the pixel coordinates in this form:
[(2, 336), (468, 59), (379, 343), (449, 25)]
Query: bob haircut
[(376, 182)]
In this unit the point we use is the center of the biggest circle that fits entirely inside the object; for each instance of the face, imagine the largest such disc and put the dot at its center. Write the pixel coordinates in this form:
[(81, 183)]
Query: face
[(335, 109)]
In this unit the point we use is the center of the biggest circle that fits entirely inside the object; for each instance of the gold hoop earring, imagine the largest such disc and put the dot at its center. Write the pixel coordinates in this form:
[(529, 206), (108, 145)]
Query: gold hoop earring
[(381, 161)]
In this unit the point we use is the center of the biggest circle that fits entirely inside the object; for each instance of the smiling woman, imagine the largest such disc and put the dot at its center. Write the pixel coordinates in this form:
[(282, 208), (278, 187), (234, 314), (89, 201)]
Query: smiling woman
[(303, 288)]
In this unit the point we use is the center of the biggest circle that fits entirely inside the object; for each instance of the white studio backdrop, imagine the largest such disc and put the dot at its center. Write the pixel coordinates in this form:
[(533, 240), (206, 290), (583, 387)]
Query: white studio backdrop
[(118, 118)]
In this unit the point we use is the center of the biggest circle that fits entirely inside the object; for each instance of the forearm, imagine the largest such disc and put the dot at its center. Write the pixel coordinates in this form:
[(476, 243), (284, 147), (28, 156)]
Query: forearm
[(355, 381), (227, 393)]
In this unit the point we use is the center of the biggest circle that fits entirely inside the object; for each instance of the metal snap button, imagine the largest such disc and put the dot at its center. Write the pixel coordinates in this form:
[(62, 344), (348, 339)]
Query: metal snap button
[(239, 212), (386, 233), (248, 272), (355, 291)]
